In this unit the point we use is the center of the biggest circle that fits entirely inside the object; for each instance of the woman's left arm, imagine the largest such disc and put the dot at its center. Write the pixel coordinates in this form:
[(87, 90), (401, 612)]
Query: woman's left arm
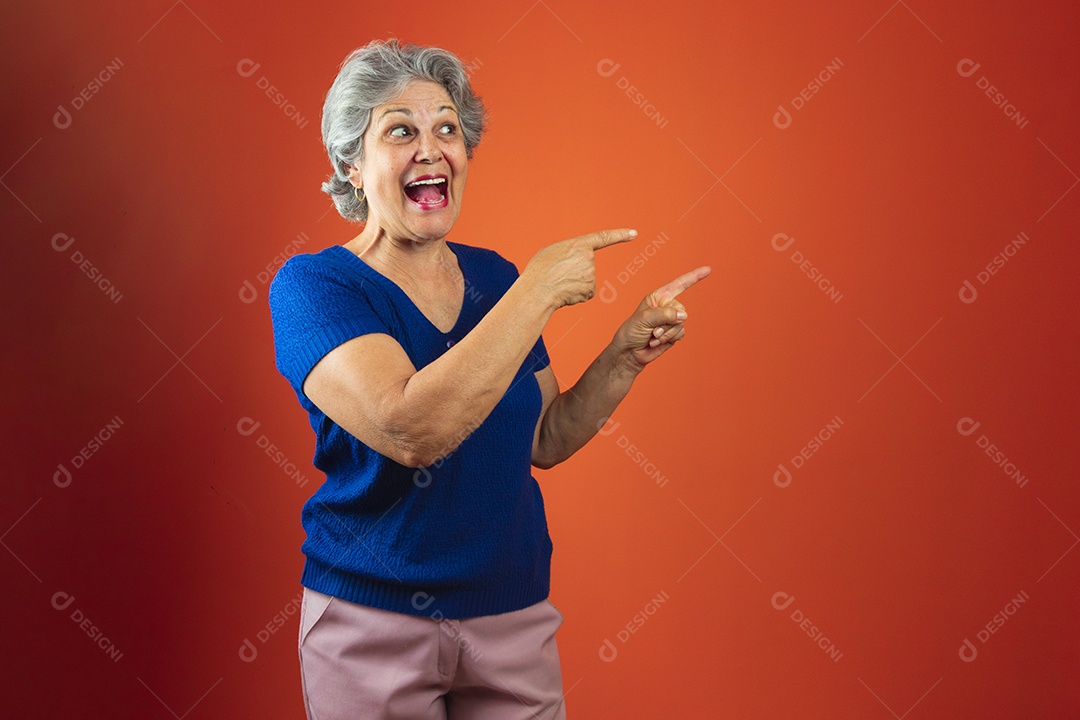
[(570, 419)]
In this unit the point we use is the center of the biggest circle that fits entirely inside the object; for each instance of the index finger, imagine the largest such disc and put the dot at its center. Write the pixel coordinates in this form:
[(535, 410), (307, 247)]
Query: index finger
[(603, 238), (676, 286)]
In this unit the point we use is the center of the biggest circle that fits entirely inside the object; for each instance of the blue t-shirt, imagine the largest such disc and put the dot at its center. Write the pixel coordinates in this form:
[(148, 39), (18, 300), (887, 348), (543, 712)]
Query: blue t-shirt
[(465, 536)]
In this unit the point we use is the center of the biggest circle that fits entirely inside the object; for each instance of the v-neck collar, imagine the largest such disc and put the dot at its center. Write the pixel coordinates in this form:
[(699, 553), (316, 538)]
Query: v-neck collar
[(355, 261)]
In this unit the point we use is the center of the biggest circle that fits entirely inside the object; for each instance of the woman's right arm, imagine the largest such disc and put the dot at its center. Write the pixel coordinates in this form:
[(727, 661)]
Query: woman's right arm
[(370, 388)]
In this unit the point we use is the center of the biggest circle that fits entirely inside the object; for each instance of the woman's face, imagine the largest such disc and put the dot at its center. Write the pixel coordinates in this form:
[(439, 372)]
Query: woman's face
[(414, 137)]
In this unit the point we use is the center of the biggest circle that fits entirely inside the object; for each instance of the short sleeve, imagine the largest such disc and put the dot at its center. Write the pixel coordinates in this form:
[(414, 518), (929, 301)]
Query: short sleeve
[(538, 356), (314, 308)]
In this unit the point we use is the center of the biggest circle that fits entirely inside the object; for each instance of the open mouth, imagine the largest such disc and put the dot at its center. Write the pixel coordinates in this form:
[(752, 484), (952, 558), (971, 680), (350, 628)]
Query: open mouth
[(429, 192)]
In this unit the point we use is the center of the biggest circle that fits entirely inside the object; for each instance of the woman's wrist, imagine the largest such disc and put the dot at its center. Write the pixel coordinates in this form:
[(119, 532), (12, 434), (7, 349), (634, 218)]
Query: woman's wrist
[(621, 361), (530, 300)]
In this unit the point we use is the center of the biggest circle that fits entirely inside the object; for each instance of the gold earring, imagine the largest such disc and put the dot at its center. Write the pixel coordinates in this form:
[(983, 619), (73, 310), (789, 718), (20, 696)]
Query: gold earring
[(355, 192)]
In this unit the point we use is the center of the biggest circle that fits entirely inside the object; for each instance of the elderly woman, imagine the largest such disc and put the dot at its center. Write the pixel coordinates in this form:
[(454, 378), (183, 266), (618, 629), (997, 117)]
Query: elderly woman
[(421, 365)]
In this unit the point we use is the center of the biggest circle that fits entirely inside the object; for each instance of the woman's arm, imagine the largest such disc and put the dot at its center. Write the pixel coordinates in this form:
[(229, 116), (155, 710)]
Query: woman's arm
[(570, 419), (370, 388)]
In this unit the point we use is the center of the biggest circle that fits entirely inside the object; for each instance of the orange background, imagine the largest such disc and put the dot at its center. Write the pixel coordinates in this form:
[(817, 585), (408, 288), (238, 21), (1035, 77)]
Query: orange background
[(180, 181)]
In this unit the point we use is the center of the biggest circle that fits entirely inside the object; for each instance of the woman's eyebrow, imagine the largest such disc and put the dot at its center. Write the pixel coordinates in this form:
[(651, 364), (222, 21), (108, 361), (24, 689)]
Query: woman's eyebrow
[(408, 112)]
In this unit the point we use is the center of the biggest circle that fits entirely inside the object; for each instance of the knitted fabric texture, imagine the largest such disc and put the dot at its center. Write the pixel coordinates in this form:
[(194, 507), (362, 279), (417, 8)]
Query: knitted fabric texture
[(463, 537)]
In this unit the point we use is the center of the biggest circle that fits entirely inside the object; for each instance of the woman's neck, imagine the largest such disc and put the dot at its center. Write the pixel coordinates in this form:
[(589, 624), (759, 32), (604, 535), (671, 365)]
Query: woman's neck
[(401, 259)]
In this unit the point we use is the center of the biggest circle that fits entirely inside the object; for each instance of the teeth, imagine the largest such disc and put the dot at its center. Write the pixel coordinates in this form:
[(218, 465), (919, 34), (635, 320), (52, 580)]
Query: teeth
[(430, 181)]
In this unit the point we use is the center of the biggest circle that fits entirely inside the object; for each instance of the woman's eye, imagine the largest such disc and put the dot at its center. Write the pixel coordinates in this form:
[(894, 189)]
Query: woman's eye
[(399, 132), (447, 129)]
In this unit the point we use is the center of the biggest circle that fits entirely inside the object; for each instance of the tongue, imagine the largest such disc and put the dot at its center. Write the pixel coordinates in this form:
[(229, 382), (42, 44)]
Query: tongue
[(425, 194)]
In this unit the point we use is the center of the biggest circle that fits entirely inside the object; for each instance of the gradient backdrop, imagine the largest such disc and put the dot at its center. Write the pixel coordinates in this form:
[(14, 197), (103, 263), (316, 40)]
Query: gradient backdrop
[(851, 492)]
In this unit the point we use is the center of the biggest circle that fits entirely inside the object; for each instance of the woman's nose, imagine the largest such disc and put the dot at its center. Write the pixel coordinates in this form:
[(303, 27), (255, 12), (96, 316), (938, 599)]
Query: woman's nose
[(428, 150)]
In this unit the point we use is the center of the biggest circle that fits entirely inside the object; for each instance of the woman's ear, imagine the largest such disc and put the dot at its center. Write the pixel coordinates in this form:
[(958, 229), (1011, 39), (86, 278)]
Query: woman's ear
[(355, 177)]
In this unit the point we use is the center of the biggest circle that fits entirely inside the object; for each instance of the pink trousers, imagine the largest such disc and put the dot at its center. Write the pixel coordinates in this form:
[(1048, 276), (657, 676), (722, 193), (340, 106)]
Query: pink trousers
[(362, 663)]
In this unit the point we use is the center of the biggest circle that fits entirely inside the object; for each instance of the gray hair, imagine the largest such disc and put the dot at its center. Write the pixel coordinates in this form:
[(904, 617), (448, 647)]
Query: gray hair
[(371, 76)]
